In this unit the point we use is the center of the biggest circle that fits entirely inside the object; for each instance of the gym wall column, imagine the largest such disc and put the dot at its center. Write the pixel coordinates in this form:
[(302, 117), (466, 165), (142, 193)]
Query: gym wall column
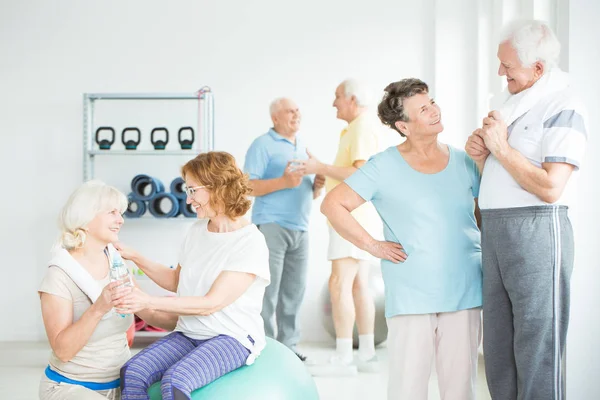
[(455, 88)]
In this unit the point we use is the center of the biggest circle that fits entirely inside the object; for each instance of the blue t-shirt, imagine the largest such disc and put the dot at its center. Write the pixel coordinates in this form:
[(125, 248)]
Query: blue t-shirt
[(267, 158), (432, 216)]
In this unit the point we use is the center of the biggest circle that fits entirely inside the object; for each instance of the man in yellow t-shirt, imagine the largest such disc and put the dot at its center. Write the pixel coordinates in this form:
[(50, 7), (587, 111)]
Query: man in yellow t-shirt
[(349, 281)]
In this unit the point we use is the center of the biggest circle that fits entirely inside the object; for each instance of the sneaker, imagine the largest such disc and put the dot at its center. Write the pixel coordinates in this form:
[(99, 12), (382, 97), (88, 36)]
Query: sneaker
[(302, 357), (369, 366), (335, 367)]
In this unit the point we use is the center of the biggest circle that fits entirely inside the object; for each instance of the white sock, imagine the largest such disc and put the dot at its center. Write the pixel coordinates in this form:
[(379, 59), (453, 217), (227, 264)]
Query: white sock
[(366, 346), (343, 349)]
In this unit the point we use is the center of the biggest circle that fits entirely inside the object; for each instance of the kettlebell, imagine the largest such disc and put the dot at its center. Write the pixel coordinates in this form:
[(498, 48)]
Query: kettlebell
[(105, 144), (131, 144), (186, 144), (159, 144)]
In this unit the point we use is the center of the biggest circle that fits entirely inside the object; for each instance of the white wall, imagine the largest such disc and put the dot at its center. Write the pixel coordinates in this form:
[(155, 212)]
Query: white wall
[(248, 52), (583, 353)]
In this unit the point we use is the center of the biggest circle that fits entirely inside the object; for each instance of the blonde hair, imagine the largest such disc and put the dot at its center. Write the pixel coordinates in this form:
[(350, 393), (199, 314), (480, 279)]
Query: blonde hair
[(87, 201), (227, 184)]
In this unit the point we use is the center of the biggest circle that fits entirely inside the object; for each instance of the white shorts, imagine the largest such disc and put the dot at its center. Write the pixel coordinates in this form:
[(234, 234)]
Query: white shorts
[(341, 248)]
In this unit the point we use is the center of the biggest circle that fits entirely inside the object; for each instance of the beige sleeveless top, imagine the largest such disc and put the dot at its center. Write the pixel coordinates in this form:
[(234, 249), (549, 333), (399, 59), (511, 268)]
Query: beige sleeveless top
[(106, 351)]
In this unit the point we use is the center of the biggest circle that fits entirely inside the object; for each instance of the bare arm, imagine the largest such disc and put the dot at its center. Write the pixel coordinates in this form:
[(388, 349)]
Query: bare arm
[(547, 183), (480, 164), (475, 148), (323, 170), (318, 185), (339, 173), (160, 319), (165, 277), (337, 207), (292, 177), (226, 289), (66, 337), (261, 187), (314, 166), (477, 212)]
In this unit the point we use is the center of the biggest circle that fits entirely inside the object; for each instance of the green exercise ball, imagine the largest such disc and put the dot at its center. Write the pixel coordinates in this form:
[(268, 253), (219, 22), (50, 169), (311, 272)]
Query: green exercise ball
[(277, 374)]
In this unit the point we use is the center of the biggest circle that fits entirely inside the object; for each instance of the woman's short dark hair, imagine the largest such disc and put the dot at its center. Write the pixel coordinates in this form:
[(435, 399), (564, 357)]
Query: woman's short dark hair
[(391, 108)]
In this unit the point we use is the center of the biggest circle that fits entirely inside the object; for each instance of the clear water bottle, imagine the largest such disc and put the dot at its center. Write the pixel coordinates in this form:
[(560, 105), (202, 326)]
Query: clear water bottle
[(120, 272), (295, 165)]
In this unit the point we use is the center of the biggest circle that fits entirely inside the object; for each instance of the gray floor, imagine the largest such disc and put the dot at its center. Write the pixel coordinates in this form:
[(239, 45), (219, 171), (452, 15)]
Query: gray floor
[(22, 363)]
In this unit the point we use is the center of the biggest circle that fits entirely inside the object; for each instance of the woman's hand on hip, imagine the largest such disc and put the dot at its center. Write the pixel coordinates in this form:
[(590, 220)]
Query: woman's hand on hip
[(390, 251)]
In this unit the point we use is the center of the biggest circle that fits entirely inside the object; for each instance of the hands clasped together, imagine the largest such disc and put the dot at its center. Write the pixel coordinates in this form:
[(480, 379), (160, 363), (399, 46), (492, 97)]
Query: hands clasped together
[(123, 298), (492, 138), (121, 295)]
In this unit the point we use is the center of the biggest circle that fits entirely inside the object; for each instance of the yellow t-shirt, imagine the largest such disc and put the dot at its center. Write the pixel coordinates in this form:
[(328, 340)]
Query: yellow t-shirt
[(358, 141)]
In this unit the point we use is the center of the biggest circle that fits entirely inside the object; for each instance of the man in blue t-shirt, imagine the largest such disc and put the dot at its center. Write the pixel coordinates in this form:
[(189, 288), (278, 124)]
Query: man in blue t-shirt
[(281, 211)]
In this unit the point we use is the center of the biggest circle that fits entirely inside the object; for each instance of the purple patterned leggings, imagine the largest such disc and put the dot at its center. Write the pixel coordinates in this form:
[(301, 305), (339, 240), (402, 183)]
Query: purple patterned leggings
[(181, 364)]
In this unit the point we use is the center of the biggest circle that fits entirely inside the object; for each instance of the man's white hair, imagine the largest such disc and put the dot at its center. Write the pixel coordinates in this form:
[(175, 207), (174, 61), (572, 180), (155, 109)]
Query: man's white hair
[(359, 90), (276, 105), (534, 41)]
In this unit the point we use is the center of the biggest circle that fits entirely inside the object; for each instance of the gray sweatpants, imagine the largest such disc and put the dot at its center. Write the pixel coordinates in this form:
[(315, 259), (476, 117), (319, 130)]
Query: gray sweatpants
[(527, 265), (288, 261)]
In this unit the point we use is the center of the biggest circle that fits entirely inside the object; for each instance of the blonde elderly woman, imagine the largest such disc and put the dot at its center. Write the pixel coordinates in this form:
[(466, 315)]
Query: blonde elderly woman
[(87, 337), (220, 281)]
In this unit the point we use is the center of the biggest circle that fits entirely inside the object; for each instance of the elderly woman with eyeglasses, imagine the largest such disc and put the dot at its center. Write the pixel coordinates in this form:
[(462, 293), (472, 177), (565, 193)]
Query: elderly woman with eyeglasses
[(220, 281)]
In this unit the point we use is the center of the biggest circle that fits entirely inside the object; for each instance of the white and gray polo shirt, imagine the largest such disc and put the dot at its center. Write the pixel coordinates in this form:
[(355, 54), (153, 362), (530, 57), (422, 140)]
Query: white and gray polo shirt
[(554, 130)]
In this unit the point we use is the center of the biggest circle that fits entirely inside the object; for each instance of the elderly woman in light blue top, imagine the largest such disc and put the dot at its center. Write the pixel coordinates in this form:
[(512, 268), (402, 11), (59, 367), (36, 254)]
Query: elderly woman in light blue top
[(426, 194)]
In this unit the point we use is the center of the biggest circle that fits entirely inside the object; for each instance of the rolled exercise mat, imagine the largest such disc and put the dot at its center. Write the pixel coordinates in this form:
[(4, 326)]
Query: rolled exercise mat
[(145, 187), (158, 208), (177, 190), (135, 207), (186, 209)]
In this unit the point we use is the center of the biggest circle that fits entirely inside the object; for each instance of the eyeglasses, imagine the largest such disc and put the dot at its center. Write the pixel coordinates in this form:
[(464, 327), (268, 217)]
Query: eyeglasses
[(191, 191)]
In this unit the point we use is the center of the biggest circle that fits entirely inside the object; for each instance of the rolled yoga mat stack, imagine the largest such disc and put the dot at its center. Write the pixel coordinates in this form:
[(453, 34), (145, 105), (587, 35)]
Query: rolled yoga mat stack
[(177, 189), (135, 208), (148, 193), (159, 210)]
